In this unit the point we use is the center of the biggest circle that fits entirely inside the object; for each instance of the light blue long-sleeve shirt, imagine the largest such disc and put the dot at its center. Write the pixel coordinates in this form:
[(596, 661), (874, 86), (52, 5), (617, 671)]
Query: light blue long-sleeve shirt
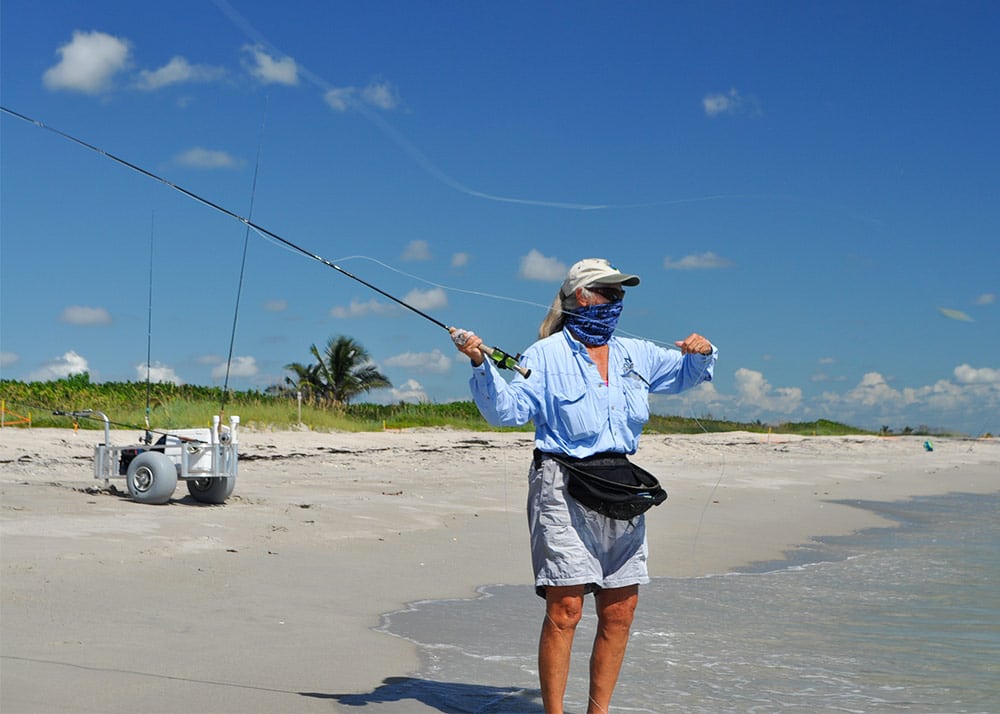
[(574, 411)]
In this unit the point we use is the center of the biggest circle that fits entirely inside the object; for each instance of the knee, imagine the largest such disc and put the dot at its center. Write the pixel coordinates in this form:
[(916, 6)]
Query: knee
[(617, 615), (564, 613)]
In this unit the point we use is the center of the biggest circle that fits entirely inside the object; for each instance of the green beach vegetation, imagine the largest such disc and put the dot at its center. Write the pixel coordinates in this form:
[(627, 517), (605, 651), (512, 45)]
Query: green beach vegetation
[(174, 406), (320, 395)]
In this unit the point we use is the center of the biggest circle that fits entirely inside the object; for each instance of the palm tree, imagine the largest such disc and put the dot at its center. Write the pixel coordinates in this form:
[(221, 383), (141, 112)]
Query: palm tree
[(306, 381), (342, 371)]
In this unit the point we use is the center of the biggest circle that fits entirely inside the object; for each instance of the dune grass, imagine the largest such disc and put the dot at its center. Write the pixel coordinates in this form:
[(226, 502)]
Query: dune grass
[(172, 407)]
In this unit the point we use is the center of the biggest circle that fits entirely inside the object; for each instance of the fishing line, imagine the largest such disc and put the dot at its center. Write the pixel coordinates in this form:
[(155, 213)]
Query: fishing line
[(450, 288), (532, 303), (243, 263), (500, 358), (422, 160), (488, 295), (418, 156), (149, 324), (708, 502), (479, 293), (383, 126)]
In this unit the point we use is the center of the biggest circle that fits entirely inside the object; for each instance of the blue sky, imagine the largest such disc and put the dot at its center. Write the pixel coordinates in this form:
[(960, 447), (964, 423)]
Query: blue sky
[(811, 185)]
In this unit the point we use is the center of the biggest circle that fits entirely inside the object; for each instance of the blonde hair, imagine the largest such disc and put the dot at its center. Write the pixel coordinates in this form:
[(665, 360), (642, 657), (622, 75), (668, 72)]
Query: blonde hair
[(555, 318)]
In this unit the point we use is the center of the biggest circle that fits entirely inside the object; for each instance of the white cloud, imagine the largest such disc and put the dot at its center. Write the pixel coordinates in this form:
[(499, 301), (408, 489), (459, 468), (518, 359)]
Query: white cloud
[(177, 71), (88, 63), (942, 396), (986, 299), (731, 102), (535, 266), (968, 402), (417, 250), (361, 309), (434, 362), (200, 158), (83, 315), (703, 400), (824, 377), (410, 391), (715, 104), (427, 299), (240, 367), (9, 358), (460, 260), (381, 95), (339, 99), (970, 375), (756, 392), (69, 363), (276, 305), (269, 70), (702, 261), (955, 314), (873, 390), (959, 404), (159, 373)]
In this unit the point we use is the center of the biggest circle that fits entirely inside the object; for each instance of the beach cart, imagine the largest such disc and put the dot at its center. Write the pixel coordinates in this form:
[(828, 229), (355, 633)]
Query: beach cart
[(206, 458)]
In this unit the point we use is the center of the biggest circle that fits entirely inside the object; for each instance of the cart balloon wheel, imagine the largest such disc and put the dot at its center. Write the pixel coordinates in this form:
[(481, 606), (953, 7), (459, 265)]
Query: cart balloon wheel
[(211, 490), (152, 477)]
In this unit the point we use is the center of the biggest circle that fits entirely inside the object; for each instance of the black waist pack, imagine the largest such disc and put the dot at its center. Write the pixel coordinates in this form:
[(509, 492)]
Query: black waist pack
[(609, 483)]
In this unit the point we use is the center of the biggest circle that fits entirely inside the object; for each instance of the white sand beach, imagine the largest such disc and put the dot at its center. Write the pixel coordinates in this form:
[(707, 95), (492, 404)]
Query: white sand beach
[(268, 603)]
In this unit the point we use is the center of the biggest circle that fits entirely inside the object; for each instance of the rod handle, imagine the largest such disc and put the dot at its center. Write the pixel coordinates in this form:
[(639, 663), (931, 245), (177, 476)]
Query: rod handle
[(502, 359)]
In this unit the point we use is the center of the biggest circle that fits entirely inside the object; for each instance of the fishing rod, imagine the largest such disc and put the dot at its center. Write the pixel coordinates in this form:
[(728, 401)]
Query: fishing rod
[(94, 415), (149, 329), (243, 265), (99, 416), (502, 359)]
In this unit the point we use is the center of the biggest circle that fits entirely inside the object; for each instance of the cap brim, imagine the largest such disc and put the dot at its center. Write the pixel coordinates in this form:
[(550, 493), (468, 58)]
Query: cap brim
[(620, 279)]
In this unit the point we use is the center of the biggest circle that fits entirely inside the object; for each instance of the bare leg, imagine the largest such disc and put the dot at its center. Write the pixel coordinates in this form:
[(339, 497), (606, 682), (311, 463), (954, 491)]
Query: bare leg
[(615, 610), (563, 609)]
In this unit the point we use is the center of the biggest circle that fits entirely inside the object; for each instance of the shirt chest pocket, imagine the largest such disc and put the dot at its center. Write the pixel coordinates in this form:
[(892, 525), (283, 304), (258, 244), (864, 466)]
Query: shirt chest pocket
[(636, 401), (576, 409)]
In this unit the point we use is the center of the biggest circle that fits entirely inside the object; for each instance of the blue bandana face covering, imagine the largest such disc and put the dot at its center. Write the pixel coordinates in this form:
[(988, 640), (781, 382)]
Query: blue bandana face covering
[(593, 325)]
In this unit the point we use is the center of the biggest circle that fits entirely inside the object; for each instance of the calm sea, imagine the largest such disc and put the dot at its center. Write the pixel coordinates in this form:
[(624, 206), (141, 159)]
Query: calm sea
[(900, 619)]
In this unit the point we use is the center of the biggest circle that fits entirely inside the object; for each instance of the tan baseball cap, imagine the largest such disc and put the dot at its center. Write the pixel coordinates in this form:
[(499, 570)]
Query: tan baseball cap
[(595, 271)]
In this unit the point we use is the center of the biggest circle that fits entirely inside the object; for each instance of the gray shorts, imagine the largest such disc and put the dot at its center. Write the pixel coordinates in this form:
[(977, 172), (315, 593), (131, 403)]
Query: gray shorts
[(573, 545)]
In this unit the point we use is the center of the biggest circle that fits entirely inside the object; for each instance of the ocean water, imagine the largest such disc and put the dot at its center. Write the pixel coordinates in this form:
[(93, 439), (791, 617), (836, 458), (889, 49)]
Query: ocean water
[(897, 619)]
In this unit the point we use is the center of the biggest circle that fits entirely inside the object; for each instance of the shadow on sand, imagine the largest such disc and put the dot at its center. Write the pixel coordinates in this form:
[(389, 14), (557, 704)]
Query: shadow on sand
[(446, 697)]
